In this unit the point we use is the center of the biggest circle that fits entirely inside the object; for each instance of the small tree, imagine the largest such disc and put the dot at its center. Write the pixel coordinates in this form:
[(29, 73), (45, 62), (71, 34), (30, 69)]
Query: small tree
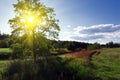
[(31, 18), (94, 46), (110, 45), (71, 46)]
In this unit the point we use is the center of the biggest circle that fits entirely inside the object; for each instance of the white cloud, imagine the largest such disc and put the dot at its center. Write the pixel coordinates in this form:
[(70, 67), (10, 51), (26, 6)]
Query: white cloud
[(97, 33)]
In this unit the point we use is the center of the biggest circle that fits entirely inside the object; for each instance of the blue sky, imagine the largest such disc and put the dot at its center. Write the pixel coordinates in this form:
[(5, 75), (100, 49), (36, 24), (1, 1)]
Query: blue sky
[(80, 20)]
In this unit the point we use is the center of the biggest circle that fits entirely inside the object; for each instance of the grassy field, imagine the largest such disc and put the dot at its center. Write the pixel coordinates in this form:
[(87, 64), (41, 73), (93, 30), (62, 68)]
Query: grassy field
[(5, 50), (106, 65)]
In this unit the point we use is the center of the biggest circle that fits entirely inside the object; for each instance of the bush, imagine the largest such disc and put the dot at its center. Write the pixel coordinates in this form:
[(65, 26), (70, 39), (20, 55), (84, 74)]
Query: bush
[(93, 46), (71, 47), (4, 57), (3, 44), (48, 69), (17, 51)]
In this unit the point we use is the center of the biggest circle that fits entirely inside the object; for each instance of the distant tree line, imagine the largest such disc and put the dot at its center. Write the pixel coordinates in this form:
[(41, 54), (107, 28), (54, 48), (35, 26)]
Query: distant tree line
[(94, 46), (6, 40), (112, 45), (70, 45), (73, 45)]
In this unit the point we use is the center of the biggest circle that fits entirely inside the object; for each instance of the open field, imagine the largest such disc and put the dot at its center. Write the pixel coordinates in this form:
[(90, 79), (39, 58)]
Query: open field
[(106, 65)]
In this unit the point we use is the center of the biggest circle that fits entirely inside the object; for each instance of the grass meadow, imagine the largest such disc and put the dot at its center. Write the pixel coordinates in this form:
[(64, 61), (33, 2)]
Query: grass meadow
[(105, 66), (5, 50)]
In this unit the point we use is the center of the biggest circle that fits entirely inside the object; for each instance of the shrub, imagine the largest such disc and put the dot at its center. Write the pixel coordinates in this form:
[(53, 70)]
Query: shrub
[(93, 46), (17, 51), (53, 68)]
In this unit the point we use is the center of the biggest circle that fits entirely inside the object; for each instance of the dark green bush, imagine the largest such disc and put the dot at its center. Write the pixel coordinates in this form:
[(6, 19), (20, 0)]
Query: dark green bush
[(4, 56), (17, 51), (93, 46)]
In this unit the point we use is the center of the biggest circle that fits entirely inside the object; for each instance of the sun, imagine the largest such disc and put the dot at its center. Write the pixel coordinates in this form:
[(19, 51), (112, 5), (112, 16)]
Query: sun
[(30, 19)]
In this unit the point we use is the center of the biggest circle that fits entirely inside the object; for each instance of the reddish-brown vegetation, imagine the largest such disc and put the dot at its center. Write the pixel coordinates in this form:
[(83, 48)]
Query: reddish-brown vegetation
[(82, 54)]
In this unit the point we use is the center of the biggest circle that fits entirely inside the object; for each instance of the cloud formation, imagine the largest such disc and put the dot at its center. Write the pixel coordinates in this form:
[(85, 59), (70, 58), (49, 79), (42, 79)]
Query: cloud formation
[(101, 32)]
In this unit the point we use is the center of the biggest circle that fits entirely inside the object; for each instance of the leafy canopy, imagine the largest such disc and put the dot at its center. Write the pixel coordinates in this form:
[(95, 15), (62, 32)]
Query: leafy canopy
[(33, 23), (31, 15)]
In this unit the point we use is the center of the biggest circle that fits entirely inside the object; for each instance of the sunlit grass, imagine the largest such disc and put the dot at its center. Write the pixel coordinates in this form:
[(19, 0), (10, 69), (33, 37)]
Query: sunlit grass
[(5, 50), (107, 64)]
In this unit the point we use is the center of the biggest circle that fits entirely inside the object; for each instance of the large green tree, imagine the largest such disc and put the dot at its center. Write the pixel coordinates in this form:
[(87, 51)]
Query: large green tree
[(34, 21)]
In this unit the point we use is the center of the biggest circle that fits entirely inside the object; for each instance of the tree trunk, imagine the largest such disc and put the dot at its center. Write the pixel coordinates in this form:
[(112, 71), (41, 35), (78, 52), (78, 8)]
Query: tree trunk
[(33, 48), (34, 57)]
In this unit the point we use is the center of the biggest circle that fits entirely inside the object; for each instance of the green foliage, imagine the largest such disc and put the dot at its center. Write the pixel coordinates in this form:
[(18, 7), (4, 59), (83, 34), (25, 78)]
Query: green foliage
[(3, 65), (59, 51), (71, 46), (43, 45), (112, 45), (34, 34), (25, 8), (53, 68), (17, 51), (105, 67), (109, 45), (93, 46), (4, 40), (5, 53), (3, 44), (27, 53)]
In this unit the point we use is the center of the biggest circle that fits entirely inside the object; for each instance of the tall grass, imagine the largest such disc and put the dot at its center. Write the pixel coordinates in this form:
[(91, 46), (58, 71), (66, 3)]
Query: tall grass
[(107, 64), (48, 69)]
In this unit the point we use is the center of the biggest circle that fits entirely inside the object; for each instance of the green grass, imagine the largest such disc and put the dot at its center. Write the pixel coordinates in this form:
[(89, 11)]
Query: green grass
[(107, 64), (3, 65), (60, 51), (5, 50)]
